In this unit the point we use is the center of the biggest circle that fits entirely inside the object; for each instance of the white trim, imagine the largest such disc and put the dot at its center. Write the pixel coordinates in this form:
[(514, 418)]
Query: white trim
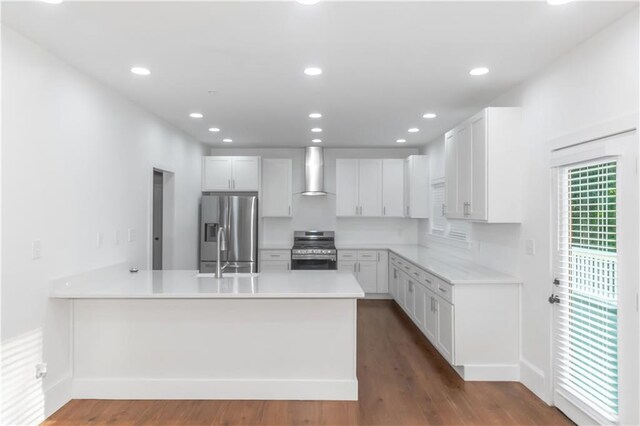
[(242, 389), (534, 379), (57, 395), (378, 296), (491, 373), (597, 131)]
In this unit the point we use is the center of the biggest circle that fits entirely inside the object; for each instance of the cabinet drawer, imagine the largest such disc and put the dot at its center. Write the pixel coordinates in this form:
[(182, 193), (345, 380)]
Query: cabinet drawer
[(444, 290), (275, 255), (347, 254), (274, 265), (367, 255)]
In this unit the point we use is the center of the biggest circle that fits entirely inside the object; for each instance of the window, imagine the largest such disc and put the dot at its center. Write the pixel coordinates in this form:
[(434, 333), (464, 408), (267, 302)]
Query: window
[(457, 230)]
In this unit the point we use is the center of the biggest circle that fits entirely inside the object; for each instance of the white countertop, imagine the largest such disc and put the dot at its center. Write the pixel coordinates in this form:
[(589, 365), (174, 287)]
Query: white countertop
[(118, 283), (452, 269)]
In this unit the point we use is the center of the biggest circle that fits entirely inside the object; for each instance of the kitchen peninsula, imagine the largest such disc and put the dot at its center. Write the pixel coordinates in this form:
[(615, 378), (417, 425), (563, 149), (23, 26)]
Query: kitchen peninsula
[(184, 335)]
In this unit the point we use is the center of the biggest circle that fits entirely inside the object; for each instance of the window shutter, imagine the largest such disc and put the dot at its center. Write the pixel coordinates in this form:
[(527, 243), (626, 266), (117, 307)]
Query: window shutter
[(439, 221)]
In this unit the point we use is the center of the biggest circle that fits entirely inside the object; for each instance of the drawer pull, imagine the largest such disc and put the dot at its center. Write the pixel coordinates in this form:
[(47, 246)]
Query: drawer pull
[(444, 290), (416, 274), (428, 280)]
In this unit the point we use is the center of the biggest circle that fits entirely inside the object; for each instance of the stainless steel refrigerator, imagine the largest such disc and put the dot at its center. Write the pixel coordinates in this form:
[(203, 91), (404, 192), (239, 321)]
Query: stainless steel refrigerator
[(238, 215)]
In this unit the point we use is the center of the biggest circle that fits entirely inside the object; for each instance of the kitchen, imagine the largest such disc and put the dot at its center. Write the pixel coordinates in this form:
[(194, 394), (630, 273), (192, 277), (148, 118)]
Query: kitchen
[(441, 192)]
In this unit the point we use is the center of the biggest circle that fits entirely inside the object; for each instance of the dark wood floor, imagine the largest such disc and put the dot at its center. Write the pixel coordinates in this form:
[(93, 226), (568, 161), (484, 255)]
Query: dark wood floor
[(403, 381)]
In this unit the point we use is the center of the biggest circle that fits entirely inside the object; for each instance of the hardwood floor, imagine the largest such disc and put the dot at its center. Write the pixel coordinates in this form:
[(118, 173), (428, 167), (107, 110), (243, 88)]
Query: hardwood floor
[(403, 381)]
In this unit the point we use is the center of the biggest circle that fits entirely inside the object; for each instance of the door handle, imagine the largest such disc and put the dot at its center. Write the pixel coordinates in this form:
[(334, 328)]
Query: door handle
[(289, 210), (444, 210), (384, 210), (229, 183)]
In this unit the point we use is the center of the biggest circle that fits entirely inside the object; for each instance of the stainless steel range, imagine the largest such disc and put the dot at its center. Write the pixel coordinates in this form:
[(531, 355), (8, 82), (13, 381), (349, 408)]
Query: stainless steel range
[(314, 250)]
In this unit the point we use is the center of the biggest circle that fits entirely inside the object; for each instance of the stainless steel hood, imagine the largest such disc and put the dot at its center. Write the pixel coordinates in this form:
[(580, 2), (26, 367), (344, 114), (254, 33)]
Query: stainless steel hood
[(314, 171)]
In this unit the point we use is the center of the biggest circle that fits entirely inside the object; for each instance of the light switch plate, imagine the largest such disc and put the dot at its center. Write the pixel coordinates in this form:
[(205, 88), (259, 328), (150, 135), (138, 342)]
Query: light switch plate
[(530, 246), (36, 249)]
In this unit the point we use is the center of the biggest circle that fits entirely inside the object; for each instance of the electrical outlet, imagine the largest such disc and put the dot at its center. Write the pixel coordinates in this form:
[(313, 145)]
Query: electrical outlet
[(99, 240), (36, 249), (530, 246), (116, 237), (131, 237), (41, 370)]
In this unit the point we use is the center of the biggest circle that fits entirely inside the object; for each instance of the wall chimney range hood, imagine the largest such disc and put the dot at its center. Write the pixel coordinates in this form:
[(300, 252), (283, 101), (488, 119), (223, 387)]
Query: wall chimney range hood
[(314, 171)]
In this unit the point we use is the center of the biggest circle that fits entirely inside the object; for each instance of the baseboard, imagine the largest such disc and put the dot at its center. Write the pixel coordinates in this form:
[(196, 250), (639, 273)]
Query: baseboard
[(490, 373), (378, 296), (326, 390), (534, 379), (57, 395)]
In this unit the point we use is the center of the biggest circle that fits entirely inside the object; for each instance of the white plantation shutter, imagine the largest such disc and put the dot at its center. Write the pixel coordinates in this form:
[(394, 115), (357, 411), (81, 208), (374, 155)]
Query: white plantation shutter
[(439, 222), (587, 313)]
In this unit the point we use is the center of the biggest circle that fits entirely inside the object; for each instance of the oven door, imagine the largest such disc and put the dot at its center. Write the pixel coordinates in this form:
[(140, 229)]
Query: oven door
[(305, 263)]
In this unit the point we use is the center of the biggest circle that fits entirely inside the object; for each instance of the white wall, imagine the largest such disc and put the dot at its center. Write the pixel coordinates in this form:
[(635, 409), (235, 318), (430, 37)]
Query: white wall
[(76, 160), (595, 82), (320, 212)]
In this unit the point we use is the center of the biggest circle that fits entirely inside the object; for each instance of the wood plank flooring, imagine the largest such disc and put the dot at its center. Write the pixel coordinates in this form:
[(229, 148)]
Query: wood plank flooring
[(403, 381)]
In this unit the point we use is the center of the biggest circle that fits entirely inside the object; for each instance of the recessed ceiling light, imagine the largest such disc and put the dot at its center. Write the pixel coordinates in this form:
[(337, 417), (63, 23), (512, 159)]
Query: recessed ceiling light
[(316, 130), (316, 140), (227, 140), (315, 115), (401, 141), (196, 115), (52, 1), (429, 115), (479, 71), (558, 2), (312, 71), (308, 2), (214, 129), (413, 130), (140, 71)]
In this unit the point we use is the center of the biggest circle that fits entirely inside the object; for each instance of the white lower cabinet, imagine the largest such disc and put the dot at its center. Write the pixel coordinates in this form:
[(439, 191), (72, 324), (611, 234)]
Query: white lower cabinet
[(475, 327), (369, 267), (275, 260)]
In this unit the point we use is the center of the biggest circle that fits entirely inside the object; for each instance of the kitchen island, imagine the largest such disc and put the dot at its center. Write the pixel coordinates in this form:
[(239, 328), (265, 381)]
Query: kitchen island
[(183, 335)]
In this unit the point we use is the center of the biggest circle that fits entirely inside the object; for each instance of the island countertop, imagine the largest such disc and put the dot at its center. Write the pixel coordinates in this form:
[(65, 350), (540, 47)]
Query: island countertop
[(118, 283)]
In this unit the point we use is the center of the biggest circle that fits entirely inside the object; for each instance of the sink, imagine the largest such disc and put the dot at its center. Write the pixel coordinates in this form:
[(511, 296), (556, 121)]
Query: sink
[(228, 275)]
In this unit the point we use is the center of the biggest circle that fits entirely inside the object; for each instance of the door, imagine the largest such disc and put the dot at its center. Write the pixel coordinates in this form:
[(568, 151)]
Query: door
[(444, 322), (393, 282), (277, 191), (158, 205), (242, 232), (402, 290), (370, 187), (368, 276), (463, 178), (431, 318), (410, 297), (392, 187), (477, 208), (274, 266), (347, 187), (596, 284), (217, 174), (245, 174), (419, 301), (406, 190), (348, 266), (383, 271), (451, 176)]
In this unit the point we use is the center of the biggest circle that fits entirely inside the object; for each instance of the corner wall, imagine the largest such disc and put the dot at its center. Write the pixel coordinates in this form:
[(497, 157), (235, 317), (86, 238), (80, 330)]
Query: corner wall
[(595, 82), (77, 160)]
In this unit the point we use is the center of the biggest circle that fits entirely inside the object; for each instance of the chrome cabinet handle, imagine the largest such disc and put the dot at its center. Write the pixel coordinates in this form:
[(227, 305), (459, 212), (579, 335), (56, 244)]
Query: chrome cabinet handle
[(229, 183), (442, 289), (378, 256), (416, 274), (444, 210), (354, 268), (289, 210), (384, 210)]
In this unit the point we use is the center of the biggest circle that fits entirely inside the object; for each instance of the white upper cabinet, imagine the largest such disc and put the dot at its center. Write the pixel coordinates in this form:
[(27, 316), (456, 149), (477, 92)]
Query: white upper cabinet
[(416, 187), (277, 187), (359, 187), (483, 167), (392, 187), (230, 174)]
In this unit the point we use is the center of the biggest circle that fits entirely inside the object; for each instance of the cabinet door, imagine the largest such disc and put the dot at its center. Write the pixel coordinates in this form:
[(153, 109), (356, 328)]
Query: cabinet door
[(418, 187), (370, 187), (430, 318), (347, 187), (217, 173), (348, 266), (451, 175), (463, 144), (393, 282), (478, 198), (419, 304), (410, 297), (406, 191), (402, 290), (274, 265), (393, 188), (277, 191), (383, 271), (368, 276), (444, 342), (245, 174)]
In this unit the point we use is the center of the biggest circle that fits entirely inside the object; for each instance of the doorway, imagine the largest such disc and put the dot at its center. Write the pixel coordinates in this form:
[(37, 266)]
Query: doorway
[(162, 212), (158, 204)]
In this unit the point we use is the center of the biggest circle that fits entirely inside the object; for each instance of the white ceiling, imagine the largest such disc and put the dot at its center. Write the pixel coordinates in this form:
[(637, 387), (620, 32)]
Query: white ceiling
[(385, 63)]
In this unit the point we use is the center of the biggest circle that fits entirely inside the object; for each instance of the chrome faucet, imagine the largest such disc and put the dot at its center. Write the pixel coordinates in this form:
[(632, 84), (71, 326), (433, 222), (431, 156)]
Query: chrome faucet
[(222, 246)]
